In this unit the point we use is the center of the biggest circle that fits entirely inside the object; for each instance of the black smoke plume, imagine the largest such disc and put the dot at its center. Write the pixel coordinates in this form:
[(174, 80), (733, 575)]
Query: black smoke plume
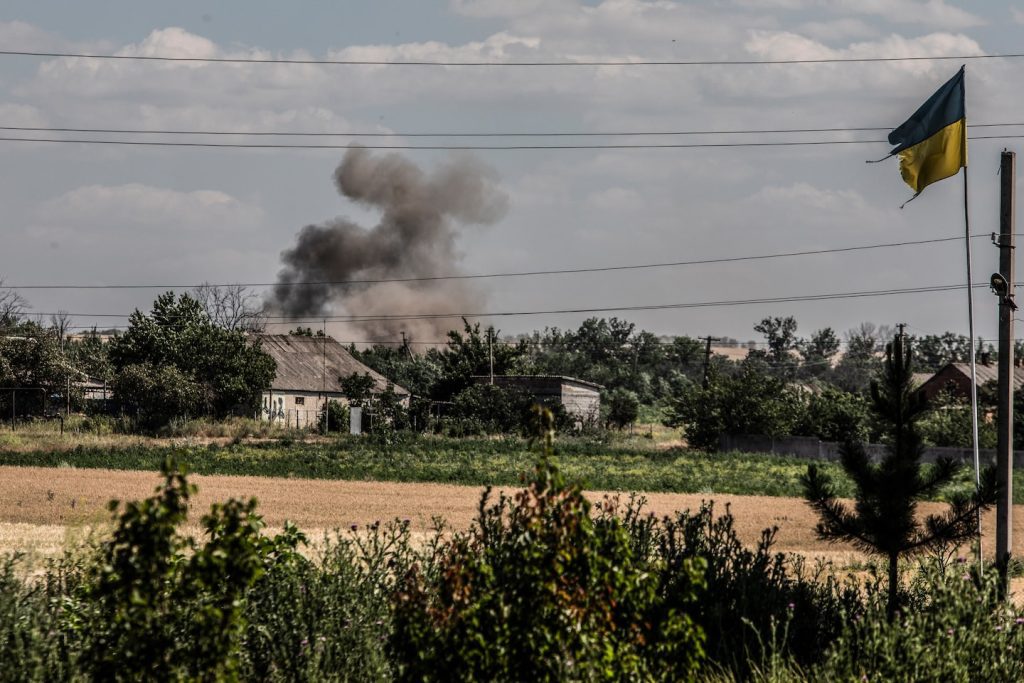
[(421, 213)]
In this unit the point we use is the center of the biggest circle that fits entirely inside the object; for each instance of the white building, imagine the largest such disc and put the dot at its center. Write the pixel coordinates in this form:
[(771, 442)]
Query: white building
[(309, 373)]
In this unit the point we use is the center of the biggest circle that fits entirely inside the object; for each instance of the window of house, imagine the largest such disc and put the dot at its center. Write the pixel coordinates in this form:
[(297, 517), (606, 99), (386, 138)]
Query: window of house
[(300, 400)]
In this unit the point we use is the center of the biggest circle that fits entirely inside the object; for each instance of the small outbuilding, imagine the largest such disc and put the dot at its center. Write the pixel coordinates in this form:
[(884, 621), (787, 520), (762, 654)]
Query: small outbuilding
[(580, 398), (309, 372)]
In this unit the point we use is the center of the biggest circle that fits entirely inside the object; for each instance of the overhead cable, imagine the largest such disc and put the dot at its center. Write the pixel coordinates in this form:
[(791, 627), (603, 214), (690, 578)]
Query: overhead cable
[(528, 273), (525, 63), (305, 146), (605, 309), (475, 134)]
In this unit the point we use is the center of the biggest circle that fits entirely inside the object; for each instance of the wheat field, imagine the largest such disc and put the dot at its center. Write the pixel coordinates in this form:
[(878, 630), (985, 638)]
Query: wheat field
[(46, 510)]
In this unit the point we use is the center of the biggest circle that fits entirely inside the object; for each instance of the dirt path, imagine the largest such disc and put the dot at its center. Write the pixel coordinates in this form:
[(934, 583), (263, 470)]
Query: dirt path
[(44, 509)]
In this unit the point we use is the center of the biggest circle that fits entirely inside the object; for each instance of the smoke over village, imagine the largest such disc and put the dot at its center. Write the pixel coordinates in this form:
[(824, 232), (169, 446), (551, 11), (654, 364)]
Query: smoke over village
[(354, 270)]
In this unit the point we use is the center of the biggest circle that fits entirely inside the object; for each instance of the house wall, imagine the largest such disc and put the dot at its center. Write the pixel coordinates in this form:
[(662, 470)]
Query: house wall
[(582, 402), (293, 413), (947, 377)]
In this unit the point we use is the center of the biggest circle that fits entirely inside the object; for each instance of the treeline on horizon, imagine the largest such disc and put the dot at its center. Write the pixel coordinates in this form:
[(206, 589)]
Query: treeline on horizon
[(191, 355)]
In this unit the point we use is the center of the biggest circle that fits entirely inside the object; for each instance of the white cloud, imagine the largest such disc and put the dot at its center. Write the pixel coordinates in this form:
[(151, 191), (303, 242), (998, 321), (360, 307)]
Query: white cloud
[(929, 13), (935, 13), (1017, 14), (838, 29)]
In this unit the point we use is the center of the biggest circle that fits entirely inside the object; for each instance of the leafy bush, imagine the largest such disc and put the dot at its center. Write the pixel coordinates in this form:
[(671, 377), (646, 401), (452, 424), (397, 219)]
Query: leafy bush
[(832, 414), (489, 409), (156, 601), (949, 423), (751, 401), (623, 407), (176, 362), (156, 394), (336, 415), (958, 630), (313, 620), (34, 644), (537, 590), (751, 592)]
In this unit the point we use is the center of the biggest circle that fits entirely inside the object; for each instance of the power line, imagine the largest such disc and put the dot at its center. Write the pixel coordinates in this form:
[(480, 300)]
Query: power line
[(531, 273), (608, 309), (695, 145), (536, 134), (253, 145), (539, 63)]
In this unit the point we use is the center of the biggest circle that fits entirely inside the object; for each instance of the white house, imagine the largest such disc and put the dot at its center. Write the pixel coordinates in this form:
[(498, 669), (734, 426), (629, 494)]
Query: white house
[(309, 372)]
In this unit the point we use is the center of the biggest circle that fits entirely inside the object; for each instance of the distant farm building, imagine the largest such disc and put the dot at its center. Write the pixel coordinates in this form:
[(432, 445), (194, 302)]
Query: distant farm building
[(956, 379), (581, 399), (95, 390), (308, 375)]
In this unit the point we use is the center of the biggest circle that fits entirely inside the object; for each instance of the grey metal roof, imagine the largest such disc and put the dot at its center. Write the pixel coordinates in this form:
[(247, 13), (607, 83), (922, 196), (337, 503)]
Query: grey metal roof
[(989, 373), (550, 378), (300, 364)]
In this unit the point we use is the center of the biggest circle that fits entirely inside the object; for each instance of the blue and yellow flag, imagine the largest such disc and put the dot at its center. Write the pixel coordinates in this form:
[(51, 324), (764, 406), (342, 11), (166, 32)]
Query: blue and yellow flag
[(932, 144)]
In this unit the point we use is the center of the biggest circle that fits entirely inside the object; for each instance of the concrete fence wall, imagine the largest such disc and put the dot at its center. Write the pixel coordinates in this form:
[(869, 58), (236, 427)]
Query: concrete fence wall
[(811, 448)]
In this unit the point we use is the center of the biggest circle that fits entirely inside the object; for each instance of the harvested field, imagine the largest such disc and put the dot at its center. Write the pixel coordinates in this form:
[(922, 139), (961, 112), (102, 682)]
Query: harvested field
[(44, 509)]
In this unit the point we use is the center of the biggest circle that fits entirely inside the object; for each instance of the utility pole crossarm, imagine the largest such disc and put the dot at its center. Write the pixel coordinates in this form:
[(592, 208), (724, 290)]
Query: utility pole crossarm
[(707, 358)]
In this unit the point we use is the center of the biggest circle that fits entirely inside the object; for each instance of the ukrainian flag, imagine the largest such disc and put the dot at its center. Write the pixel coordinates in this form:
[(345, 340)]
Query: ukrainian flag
[(932, 144)]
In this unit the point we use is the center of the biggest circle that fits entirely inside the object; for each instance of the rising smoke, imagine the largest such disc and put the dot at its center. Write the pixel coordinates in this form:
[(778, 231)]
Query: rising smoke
[(417, 235)]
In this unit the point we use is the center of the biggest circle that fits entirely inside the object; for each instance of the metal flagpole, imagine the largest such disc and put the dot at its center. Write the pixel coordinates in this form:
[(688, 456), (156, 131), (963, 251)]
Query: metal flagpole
[(974, 370)]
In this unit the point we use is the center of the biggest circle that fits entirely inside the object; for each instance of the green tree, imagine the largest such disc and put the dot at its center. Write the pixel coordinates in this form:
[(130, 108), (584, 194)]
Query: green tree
[(832, 414), (884, 518), (31, 358), (818, 352), (490, 409), (623, 407), (160, 393), (228, 365), (417, 372), (89, 354), (469, 353), (860, 363), (752, 400), (358, 389), (934, 351), (949, 422), (780, 337)]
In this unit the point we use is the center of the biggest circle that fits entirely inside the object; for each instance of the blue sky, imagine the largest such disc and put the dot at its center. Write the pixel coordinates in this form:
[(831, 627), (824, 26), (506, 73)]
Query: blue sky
[(107, 215)]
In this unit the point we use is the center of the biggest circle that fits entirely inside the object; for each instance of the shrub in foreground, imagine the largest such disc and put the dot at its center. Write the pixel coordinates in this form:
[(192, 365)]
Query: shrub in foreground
[(538, 591), (958, 630)]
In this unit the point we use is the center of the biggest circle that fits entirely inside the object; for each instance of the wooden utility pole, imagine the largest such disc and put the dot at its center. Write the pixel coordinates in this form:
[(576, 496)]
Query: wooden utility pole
[(1004, 425), (326, 400), (707, 358)]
